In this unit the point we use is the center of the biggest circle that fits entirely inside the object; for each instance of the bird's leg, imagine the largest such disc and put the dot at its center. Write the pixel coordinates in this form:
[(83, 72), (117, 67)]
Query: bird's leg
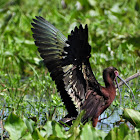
[(95, 120)]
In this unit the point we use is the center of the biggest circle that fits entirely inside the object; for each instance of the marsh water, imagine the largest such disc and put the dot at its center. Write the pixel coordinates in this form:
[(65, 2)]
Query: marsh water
[(106, 124)]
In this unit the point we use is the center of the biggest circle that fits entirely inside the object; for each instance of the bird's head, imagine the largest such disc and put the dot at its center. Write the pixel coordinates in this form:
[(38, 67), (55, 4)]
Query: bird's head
[(110, 75)]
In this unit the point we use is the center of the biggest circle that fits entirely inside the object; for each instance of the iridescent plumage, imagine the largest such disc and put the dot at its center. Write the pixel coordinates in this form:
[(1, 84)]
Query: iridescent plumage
[(68, 62)]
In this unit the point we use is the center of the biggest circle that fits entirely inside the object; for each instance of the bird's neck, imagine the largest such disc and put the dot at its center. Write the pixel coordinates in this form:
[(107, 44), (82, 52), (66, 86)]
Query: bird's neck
[(109, 82), (110, 87)]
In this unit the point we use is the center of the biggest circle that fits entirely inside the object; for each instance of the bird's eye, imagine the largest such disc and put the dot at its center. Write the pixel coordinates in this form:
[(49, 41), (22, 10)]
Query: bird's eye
[(112, 75)]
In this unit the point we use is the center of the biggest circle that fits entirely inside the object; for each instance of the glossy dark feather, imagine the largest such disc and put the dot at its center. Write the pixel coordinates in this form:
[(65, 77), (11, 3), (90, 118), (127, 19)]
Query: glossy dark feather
[(68, 62), (93, 106)]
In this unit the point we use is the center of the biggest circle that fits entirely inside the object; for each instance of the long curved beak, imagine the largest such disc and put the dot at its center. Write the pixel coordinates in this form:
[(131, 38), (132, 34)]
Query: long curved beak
[(117, 75), (126, 85), (118, 88)]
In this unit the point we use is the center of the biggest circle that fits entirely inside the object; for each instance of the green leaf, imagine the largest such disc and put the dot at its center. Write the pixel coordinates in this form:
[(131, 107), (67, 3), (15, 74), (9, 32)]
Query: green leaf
[(132, 116), (123, 131), (55, 138), (118, 133), (16, 128), (76, 122), (58, 130), (39, 136), (30, 125), (111, 135), (89, 132), (48, 128), (33, 130)]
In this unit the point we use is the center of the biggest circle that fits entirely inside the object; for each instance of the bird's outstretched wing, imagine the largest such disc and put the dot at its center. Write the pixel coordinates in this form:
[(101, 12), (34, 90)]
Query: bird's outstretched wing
[(67, 60)]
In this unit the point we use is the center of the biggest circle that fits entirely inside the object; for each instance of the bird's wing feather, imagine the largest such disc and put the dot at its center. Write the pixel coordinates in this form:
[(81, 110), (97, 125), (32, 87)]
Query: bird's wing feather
[(67, 60), (93, 105)]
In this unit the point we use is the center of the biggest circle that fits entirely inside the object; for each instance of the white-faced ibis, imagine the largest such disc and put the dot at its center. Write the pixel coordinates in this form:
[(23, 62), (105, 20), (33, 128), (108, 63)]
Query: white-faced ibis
[(68, 62)]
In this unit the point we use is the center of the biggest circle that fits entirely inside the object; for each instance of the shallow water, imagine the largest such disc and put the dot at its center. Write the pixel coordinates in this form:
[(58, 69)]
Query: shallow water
[(106, 125)]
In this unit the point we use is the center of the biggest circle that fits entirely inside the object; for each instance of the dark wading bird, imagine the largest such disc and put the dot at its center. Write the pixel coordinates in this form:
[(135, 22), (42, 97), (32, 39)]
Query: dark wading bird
[(68, 62)]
